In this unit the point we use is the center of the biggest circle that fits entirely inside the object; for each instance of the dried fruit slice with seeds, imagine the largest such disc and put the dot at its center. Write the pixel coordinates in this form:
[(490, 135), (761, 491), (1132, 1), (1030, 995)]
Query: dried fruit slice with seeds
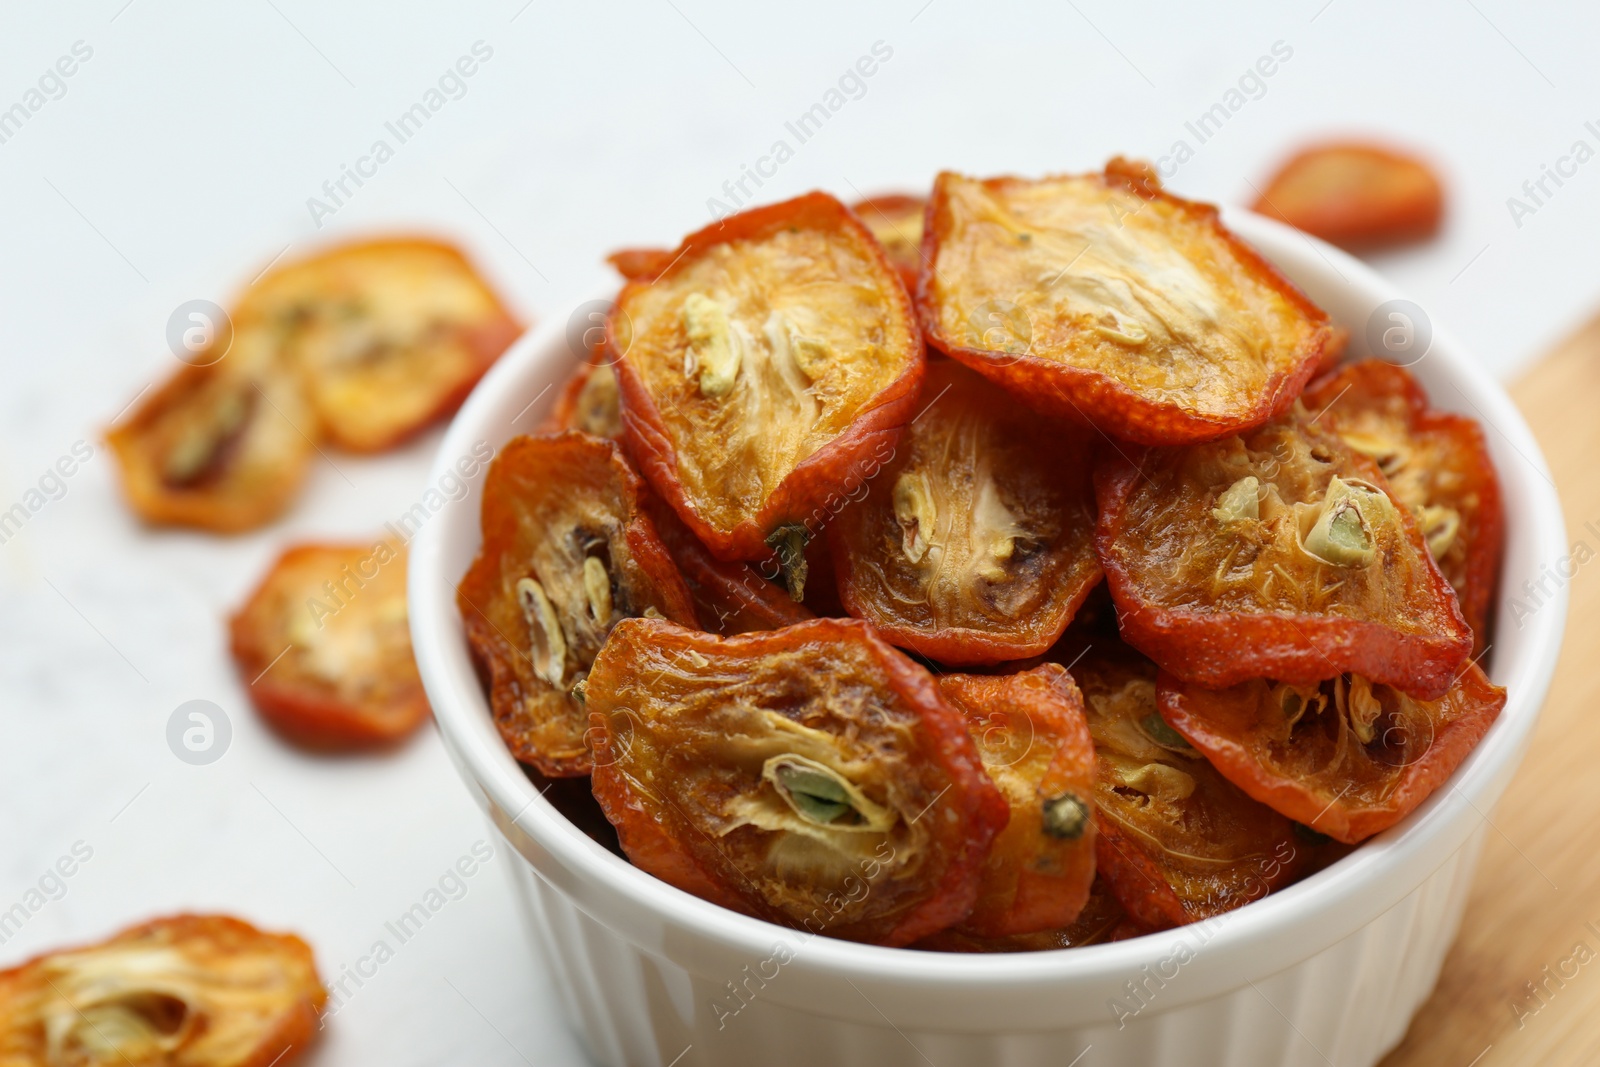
[(1346, 757), (225, 446), (568, 551), (975, 543), (590, 401), (1031, 735), (1437, 464), (1279, 553), (1356, 195), (325, 645), (1102, 298), (1178, 842), (388, 335), (774, 358), (196, 990), (812, 776)]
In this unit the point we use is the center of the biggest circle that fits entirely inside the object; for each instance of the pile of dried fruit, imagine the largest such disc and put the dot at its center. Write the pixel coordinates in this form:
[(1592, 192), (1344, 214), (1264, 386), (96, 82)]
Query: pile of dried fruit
[(825, 455)]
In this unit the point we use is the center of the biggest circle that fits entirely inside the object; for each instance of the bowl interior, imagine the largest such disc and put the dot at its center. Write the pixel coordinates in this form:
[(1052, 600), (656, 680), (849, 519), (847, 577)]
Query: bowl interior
[(1283, 927)]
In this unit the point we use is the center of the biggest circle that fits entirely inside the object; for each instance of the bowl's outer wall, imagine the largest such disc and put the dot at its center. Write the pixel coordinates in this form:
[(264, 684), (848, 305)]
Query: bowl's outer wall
[(607, 927)]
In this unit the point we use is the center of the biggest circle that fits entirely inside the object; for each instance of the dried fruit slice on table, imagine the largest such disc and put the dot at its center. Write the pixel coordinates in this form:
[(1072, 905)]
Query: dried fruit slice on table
[(1355, 195), (812, 776), (975, 543), (1030, 733), (197, 990), (895, 219), (568, 551), (1436, 463), (1102, 298), (1101, 920), (729, 597), (1178, 842), (1346, 757), (325, 645), (389, 335), (224, 446), (1280, 553), (763, 371)]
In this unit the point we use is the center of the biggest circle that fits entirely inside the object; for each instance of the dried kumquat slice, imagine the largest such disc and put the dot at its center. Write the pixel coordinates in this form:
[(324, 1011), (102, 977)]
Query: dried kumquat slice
[(1102, 298), (195, 990), (388, 335), (975, 543), (812, 776), (1437, 464), (1280, 553), (1178, 842), (1356, 195), (1031, 735), (325, 645), (773, 359), (1346, 757), (568, 551)]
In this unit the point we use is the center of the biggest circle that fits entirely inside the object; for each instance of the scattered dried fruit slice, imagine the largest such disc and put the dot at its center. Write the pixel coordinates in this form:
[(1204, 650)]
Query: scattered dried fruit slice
[(1178, 842), (389, 335), (1346, 757), (325, 646), (196, 990), (774, 359), (812, 776), (1276, 554), (1356, 195), (1031, 735), (975, 543), (895, 219), (568, 551), (223, 447), (1101, 920), (1436, 463), (1104, 299)]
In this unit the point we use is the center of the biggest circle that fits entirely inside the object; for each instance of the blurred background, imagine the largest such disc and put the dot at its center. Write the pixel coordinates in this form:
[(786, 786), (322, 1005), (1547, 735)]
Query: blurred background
[(194, 144)]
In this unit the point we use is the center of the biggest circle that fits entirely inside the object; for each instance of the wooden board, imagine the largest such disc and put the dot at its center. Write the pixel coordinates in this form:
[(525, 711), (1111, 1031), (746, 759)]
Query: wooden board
[(1534, 913)]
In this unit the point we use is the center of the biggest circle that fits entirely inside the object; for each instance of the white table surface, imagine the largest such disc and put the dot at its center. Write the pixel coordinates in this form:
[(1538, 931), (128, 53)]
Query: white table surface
[(179, 160)]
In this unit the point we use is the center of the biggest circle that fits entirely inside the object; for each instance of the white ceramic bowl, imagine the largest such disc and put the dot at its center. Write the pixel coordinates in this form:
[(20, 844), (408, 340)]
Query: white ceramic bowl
[(1326, 972)]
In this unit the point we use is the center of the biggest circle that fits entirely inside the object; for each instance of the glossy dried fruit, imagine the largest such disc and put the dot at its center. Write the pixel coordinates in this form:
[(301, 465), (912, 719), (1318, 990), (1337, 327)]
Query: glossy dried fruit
[(812, 776), (1104, 299), (1178, 842), (729, 597), (773, 360), (896, 221), (388, 335), (568, 551), (324, 645), (1356, 195), (190, 990), (1031, 735), (1327, 576), (974, 544), (1101, 920), (1437, 464), (224, 446), (1346, 757)]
